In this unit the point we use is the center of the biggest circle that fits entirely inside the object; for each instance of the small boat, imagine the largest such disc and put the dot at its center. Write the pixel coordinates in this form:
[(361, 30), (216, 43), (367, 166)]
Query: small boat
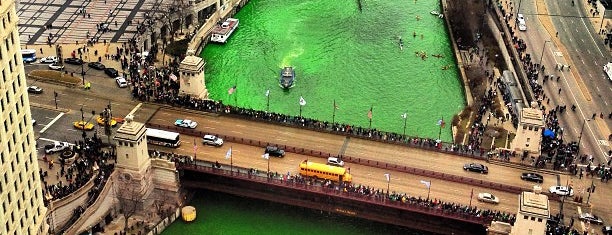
[(287, 76), (220, 33), (436, 13), (401, 44)]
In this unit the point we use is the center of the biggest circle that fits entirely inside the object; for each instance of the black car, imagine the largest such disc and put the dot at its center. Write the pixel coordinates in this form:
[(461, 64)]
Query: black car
[(96, 65), (533, 177), (111, 72), (76, 61), (475, 167), (275, 151)]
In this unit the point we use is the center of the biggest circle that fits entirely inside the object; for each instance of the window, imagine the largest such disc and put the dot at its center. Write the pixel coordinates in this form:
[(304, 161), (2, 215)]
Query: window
[(539, 219), (530, 128)]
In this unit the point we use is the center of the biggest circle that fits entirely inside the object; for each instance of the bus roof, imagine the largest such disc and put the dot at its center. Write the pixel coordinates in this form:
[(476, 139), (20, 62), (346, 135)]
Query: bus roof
[(162, 134), (28, 51), (323, 167)]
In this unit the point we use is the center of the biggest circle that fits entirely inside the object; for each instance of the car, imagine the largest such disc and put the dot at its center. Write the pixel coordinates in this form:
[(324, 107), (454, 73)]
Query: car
[(520, 17), (606, 230), (533, 177), (275, 151), (561, 191), (83, 125), (100, 121), (475, 167), (33, 122), (487, 197), (49, 59), (588, 217), (212, 140), (522, 26), (56, 146), (56, 66), (96, 65), (335, 161), (75, 61), (185, 123), (121, 82), (111, 72), (35, 90)]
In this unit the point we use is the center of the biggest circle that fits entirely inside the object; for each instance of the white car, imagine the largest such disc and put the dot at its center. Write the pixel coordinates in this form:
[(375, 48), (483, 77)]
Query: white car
[(520, 17), (49, 59), (561, 191), (335, 161), (487, 197), (56, 146), (212, 140), (185, 123), (121, 82), (56, 66)]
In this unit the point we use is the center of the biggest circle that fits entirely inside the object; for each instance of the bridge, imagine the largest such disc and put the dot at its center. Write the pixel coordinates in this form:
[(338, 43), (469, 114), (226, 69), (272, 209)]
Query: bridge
[(339, 199)]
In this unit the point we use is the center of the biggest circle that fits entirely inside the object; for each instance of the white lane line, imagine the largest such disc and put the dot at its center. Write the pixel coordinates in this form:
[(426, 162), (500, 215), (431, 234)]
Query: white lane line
[(51, 123)]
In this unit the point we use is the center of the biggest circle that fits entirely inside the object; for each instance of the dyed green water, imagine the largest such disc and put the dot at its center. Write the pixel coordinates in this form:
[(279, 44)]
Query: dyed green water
[(344, 55), (219, 213)]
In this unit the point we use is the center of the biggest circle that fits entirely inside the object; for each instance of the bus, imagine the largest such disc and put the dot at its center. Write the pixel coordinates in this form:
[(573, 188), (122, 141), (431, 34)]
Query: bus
[(323, 171), (29, 55), (163, 138)]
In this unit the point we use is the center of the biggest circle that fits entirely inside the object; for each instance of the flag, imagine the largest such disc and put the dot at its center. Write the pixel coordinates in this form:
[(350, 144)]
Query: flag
[(228, 155), (195, 146), (387, 176), (266, 156), (370, 113), (231, 90), (335, 105), (405, 115), (441, 123), (268, 93), (426, 183), (302, 101)]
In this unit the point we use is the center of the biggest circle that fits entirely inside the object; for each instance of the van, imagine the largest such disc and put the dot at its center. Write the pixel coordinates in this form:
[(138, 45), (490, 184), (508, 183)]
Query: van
[(335, 161), (121, 82)]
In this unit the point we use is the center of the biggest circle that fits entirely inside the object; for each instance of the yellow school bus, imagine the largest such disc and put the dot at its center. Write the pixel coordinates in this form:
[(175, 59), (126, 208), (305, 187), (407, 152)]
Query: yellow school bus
[(322, 171)]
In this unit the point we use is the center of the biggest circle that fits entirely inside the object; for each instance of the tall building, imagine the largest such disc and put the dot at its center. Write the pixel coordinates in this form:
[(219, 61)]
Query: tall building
[(22, 210)]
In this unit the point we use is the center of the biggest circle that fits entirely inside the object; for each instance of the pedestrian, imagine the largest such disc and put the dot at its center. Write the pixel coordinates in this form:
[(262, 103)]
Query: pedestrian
[(594, 115), (41, 51), (558, 77), (559, 90), (557, 35)]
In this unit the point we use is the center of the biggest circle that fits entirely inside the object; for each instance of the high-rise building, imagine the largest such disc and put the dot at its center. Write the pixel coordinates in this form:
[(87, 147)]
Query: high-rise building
[(22, 210)]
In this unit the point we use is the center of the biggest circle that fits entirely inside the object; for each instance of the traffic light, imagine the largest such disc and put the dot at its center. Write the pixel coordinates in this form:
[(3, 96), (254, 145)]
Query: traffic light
[(55, 94)]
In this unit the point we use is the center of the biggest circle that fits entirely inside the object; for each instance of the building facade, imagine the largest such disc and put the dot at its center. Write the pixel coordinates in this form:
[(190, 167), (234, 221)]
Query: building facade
[(22, 210), (529, 132)]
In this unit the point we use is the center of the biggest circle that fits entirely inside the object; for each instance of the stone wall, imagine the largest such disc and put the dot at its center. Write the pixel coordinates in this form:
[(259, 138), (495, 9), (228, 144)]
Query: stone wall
[(62, 209)]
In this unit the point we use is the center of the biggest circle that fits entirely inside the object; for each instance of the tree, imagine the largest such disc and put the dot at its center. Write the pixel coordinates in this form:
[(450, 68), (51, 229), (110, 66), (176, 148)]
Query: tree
[(129, 196)]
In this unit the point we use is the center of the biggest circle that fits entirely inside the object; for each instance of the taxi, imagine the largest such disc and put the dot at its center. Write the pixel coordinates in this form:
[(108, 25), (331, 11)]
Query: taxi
[(83, 125), (100, 121)]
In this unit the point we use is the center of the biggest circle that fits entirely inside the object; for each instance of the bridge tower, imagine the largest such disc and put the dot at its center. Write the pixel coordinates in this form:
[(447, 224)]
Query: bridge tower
[(192, 76)]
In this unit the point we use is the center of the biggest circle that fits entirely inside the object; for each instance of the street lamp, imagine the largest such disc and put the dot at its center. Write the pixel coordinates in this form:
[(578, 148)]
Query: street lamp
[(581, 130), (542, 56)]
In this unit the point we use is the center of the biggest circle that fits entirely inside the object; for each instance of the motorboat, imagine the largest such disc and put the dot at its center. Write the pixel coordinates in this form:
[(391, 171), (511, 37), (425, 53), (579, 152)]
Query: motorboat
[(222, 32), (287, 77), (437, 13)]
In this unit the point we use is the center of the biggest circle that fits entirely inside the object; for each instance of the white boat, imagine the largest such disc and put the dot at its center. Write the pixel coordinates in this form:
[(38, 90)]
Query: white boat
[(222, 32), (436, 13)]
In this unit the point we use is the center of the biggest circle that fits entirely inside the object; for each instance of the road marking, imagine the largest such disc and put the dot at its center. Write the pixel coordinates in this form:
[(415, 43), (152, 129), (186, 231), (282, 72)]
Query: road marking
[(603, 142), (598, 88), (51, 123)]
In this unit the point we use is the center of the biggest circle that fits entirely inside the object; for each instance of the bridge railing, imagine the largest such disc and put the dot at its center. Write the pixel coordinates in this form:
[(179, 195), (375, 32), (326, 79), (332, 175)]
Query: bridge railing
[(411, 204), (356, 160)]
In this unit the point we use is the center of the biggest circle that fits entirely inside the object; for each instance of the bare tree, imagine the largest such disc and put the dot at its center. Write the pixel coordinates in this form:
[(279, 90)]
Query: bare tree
[(129, 197), (172, 11)]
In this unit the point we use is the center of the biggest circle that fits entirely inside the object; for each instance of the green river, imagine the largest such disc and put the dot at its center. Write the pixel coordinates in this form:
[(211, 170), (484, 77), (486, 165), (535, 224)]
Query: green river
[(340, 54)]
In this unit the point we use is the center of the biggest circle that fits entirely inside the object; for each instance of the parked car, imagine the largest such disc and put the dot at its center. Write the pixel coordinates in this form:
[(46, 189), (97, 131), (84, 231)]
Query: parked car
[(335, 161), (56, 146), (121, 82), (83, 125), (49, 59), (212, 140), (35, 90), (275, 151), (593, 219), (487, 197), (185, 123), (561, 191), (475, 167), (111, 72), (96, 65), (76, 61), (533, 177), (56, 66)]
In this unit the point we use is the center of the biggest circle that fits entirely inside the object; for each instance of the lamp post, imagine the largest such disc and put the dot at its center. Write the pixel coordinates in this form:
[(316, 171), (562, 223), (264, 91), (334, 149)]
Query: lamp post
[(581, 130), (82, 69), (542, 55), (590, 191)]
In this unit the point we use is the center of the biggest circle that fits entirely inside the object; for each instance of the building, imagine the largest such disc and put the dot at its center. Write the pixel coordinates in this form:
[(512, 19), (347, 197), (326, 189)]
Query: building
[(192, 76), (529, 132), (532, 213), (22, 210)]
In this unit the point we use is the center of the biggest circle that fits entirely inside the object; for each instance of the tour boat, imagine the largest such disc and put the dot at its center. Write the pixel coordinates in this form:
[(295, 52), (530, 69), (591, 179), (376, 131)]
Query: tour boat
[(220, 33), (287, 76)]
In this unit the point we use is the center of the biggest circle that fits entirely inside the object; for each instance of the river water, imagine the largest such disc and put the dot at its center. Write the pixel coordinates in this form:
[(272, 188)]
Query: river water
[(219, 213), (341, 54)]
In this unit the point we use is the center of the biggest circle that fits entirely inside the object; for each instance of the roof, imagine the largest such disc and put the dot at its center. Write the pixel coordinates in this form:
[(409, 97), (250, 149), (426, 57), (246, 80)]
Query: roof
[(534, 204)]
